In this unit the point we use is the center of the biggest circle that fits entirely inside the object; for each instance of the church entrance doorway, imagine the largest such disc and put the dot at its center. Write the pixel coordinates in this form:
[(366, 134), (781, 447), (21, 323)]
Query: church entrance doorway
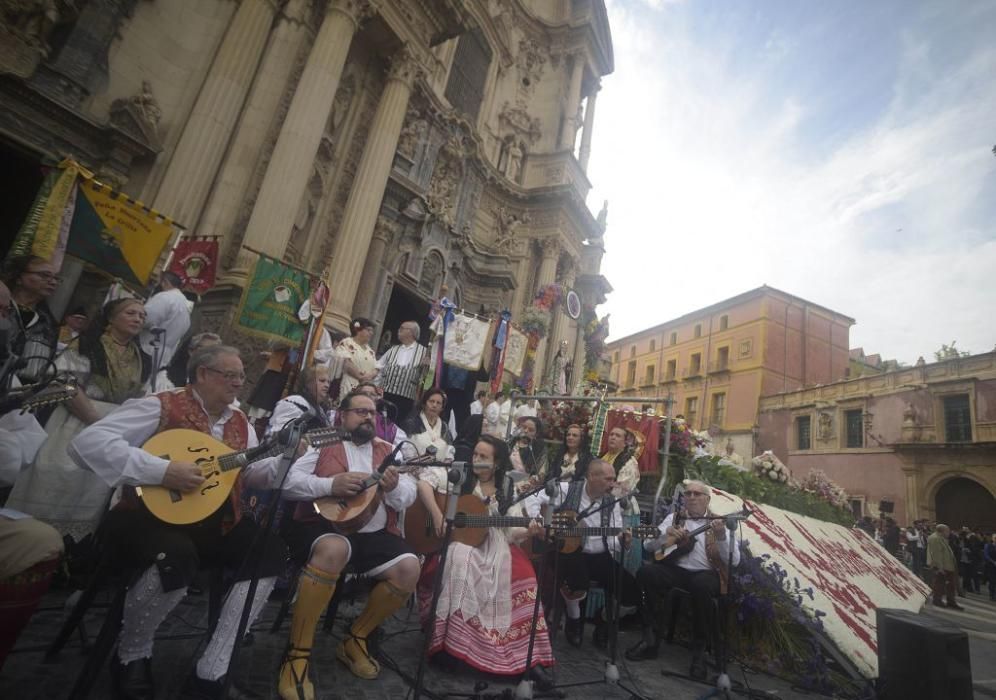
[(405, 305), (20, 178), (963, 502)]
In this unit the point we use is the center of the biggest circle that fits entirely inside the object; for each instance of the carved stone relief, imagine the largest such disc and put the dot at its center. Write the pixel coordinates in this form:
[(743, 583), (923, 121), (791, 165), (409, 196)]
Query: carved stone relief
[(138, 115)]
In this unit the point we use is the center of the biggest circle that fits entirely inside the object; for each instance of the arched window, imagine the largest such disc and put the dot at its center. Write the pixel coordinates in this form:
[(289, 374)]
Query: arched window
[(469, 73)]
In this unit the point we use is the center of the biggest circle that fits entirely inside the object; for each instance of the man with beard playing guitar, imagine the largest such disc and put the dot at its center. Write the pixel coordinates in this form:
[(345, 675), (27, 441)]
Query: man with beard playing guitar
[(698, 565), (376, 550)]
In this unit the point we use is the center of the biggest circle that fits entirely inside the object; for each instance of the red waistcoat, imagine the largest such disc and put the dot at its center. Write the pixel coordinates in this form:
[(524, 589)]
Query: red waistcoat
[(331, 461), (181, 409)]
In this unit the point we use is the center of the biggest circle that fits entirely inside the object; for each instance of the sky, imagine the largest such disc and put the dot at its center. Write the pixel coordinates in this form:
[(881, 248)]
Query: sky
[(839, 151)]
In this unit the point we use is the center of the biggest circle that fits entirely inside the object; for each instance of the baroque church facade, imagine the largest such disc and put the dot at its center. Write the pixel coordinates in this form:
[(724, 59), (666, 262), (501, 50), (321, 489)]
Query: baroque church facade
[(410, 147)]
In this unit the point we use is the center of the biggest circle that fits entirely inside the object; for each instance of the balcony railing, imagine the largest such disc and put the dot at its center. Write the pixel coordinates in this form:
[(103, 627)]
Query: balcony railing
[(719, 366), (691, 372)]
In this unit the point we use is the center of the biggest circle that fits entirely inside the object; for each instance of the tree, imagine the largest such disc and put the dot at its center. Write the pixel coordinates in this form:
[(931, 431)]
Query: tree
[(949, 352)]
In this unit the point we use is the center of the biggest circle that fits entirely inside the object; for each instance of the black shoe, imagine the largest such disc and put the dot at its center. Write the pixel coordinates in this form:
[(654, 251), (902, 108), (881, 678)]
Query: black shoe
[(541, 678), (133, 680), (643, 650), (698, 667), (199, 689), (572, 631), (601, 634)]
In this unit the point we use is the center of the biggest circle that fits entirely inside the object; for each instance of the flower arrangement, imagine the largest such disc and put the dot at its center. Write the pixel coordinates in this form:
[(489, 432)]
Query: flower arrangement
[(535, 322), (565, 413), (768, 465), (548, 297), (818, 483)]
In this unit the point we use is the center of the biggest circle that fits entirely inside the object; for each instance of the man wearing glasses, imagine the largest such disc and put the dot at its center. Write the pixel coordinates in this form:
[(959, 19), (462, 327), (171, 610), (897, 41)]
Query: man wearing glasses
[(169, 556), (701, 571), (376, 551)]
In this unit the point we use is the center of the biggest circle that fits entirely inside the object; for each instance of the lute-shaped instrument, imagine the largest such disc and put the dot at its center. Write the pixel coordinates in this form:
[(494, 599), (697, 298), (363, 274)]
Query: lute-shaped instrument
[(219, 465)]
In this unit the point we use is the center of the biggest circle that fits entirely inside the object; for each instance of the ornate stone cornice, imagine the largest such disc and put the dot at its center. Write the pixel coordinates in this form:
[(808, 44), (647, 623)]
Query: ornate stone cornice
[(405, 66), (356, 10)]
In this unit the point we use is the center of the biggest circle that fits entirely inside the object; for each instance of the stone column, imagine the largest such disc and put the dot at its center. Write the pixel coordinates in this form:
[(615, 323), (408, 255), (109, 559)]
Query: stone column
[(569, 125), (287, 174), (352, 242), (198, 154), (268, 88), (589, 122), (547, 275), (372, 282)]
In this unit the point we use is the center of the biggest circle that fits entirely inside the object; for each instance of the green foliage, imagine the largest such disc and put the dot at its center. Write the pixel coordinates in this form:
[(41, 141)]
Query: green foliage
[(950, 352), (749, 486)]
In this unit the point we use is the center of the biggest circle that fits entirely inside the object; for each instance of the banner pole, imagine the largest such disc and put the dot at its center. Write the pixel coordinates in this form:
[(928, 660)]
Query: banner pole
[(320, 326)]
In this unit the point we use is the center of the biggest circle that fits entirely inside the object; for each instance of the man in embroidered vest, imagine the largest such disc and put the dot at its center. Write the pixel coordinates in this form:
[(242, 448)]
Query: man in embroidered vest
[(402, 368), (376, 550), (701, 571), (169, 555), (596, 559)]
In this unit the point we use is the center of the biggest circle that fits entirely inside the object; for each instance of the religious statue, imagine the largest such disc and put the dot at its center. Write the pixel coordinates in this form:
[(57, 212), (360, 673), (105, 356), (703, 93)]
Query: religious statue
[(603, 215), (909, 415), (32, 19), (557, 380), (147, 106), (732, 457), (507, 225), (825, 426), (514, 161)]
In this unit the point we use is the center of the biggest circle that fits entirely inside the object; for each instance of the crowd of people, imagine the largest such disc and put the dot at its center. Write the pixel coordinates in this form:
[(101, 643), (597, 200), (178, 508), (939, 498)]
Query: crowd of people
[(952, 562), (141, 370)]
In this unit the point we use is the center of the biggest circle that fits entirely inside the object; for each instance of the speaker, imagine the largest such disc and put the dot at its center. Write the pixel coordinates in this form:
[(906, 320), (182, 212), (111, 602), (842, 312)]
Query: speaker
[(886, 506), (921, 658)]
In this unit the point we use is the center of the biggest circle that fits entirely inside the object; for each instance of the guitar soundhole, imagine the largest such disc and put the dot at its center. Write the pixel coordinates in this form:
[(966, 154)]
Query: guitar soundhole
[(175, 496)]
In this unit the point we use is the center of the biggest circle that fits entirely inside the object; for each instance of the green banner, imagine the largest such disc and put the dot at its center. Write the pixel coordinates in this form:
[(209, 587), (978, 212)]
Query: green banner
[(270, 302)]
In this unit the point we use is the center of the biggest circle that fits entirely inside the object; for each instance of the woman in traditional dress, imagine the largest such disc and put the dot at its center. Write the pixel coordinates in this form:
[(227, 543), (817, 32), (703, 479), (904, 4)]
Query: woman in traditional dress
[(312, 395), (359, 360), (427, 427), (621, 452), (574, 456), (529, 448), (110, 368), (485, 608)]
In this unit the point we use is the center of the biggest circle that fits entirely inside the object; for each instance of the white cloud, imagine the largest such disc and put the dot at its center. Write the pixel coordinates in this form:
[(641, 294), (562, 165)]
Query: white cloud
[(714, 190)]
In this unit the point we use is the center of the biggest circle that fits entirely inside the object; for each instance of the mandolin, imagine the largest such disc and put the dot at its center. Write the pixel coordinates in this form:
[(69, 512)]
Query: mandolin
[(682, 547), (220, 468), (27, 400), (349, 515)]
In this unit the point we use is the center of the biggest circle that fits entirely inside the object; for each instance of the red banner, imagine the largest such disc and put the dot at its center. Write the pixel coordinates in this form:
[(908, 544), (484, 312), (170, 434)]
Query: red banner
[(647, 429), (196, 262)]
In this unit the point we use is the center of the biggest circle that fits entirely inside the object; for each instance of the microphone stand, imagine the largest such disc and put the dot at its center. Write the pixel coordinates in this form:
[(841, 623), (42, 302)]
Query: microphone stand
[(293, 436), (524, 690), (455, 479)]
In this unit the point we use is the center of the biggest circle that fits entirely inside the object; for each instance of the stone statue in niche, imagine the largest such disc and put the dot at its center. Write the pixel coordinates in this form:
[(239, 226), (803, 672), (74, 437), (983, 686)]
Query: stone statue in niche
[(824, 424), (340, 105), (909, 415), (514, 170), (432, 274), (412, 134), (447, 174)]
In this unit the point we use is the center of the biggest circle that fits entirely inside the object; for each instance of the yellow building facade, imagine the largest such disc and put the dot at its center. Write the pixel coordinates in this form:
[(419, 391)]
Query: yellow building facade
[(717, 362)]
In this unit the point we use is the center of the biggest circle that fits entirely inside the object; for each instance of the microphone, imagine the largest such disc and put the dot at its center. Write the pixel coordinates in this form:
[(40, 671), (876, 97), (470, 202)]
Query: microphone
[(283, 435), (389, 459)]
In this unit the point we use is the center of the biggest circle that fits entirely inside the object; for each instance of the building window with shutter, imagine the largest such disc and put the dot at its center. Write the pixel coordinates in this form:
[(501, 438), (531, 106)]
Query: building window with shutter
[(803, 433), (469, 73), (653, 345), (957, 419), (718, 410), (631, 374), (691, 410), (698, 330), (674, 338), (648, 377), (854, 428), (672, 369), (724, 322)]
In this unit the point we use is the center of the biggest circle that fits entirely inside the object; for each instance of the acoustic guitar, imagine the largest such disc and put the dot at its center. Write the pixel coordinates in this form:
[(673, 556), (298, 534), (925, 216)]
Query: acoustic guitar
[(570, 535), (421, 535), (219, 466)]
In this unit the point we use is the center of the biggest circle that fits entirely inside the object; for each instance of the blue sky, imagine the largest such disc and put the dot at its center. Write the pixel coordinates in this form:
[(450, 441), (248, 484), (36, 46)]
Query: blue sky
[(840, 151)]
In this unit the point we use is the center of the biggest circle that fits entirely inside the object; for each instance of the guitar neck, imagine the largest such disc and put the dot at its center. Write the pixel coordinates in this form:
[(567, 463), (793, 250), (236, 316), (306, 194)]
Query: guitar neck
[(493, 521), (315, 438), (602, 531)]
